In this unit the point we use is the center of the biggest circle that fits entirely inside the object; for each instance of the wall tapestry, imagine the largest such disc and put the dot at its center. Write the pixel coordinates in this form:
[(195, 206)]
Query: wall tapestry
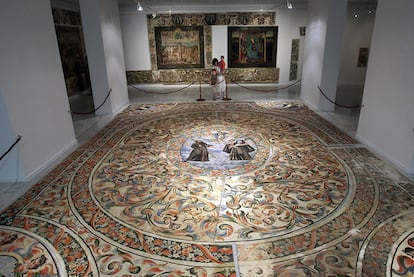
[(72, 50), (179, 47), (294, 58), (252, 46)]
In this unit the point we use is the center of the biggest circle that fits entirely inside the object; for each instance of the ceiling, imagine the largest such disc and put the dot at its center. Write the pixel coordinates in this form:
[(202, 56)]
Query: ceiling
[(182, 6), (210, 6)]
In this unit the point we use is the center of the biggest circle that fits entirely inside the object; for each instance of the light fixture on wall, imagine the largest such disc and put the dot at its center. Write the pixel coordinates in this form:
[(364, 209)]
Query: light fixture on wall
[(139, 7), (289, 5)]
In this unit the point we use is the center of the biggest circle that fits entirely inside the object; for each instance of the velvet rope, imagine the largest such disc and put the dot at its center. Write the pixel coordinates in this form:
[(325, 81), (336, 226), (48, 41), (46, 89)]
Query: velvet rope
[(94, 110), (156, 92), (169, 92), (11, 147), (272, 90), (336, 104)]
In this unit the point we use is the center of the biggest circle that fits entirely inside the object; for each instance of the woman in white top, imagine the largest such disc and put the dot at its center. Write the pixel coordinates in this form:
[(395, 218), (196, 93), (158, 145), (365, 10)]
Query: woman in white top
[(220, 86)]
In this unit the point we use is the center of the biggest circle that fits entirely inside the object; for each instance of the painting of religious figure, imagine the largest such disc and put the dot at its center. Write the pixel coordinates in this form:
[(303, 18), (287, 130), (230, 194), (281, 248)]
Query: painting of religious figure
[(252, 46), (179, 47)]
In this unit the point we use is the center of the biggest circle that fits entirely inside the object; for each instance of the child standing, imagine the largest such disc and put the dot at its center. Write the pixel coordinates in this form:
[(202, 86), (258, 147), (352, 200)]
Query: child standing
[(220, 86)]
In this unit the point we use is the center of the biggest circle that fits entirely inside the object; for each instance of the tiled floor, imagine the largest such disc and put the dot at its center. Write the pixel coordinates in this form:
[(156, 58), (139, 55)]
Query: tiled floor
[(306, 200), (86, 125)]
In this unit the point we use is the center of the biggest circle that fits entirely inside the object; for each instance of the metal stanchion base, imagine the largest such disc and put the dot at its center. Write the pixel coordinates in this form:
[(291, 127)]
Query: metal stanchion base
[(201, 99), (226, 99)]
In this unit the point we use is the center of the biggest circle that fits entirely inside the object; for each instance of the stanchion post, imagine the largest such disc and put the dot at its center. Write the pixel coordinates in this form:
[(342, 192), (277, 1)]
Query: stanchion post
[(226, 98), (201, 98)]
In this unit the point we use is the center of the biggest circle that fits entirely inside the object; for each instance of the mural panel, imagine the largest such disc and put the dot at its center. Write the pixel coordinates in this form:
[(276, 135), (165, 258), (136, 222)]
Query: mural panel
[(252, 46), (180, 47)]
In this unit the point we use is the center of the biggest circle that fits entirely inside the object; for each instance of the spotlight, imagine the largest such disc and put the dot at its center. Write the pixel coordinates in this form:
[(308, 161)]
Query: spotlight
[(154, 15), (289, 5), (139, 7), (355, 15)]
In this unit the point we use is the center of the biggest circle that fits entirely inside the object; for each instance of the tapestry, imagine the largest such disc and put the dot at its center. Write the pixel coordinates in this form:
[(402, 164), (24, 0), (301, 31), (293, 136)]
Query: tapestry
[(180, 47), (294, 58), (252, 46), (214, 189), (72, 50)]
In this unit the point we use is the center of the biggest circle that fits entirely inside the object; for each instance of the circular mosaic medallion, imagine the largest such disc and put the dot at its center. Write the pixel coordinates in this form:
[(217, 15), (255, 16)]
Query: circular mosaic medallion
[(403, 262), (218, 151), (207, 182)]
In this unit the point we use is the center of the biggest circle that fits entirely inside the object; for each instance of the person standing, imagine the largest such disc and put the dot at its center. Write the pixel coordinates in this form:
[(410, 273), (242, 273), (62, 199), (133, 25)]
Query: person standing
[(220, 86), (222, 64)]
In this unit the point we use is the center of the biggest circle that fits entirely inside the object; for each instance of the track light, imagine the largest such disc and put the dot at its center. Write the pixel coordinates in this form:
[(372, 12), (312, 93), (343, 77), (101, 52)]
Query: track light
[(289, 5), (139, 7)]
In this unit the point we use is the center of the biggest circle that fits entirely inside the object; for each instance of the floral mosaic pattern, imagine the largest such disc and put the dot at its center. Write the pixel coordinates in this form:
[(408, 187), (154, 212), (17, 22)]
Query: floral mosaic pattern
[(403, 263), (307, 201), (22, 255)]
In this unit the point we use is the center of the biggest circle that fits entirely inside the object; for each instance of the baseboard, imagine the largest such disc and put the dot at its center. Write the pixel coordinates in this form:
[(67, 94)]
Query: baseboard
[(311, 106), (121, 108), (57, 158), (398, 165)]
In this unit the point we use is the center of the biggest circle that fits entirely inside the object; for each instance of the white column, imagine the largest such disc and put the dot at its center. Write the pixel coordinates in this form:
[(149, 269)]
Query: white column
[(10, 166), (323, 44), (332, 55), (103, 42), (386, 122), (34, 102)]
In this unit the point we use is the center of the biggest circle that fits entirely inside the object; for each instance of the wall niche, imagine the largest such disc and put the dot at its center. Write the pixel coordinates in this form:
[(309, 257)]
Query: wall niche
[(200, 73)]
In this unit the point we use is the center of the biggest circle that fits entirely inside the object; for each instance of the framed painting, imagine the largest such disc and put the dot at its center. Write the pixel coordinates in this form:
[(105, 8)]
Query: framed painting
[(179, 47), (252, 46)]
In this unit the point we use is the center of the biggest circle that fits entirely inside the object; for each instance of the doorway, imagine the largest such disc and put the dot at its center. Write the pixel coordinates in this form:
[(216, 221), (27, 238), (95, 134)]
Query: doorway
[(74, 60)]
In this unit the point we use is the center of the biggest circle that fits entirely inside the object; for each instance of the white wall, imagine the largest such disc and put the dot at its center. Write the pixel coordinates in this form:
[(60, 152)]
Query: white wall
[(135, 40), (219, 42), (314, 51), (358, 33), (33, 88), (289, 22), (386, 121), (10, 167)]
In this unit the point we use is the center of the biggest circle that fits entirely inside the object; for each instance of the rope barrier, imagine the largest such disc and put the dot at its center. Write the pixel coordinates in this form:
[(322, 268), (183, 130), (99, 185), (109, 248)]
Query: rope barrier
[(11, 147), (336, 104), (156, 92), (206, 82), (94, 110), (272, 90)]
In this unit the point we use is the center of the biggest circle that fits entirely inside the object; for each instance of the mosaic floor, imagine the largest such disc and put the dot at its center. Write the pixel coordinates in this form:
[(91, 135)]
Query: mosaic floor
[(214, 189)]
